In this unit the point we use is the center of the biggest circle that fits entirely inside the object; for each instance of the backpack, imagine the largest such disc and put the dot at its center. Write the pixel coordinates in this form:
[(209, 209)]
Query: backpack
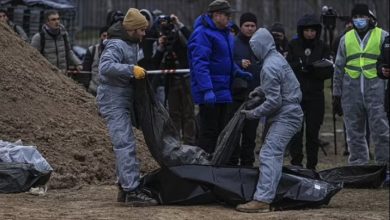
[(66, 42)]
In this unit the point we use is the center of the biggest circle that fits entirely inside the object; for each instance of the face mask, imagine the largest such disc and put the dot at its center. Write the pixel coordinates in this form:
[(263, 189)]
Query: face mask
[(360, 23)]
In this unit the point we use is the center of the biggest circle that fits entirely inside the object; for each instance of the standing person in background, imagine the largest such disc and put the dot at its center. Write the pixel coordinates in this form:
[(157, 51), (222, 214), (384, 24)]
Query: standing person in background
[(19, 30), (244, 58), (171, 54), (281, 41), (210, 54), (284, 116), (347, 27), (53, 43), (383, 70), (115, 97), (91, 60), (303, 52), (212, 67), (357, 90)]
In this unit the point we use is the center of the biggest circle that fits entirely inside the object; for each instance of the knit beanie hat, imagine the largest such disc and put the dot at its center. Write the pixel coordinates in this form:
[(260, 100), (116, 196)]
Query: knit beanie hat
[(360, 9), (277, 27), (134, 20), (247, 17)]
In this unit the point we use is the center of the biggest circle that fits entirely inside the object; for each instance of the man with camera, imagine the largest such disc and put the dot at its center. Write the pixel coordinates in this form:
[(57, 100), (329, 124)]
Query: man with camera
[(170, 54), (358, 92)]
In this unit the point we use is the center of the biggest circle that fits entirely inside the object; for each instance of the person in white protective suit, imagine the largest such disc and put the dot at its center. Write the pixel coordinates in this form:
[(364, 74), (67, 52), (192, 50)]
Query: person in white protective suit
[(357, 90), (284, 116)]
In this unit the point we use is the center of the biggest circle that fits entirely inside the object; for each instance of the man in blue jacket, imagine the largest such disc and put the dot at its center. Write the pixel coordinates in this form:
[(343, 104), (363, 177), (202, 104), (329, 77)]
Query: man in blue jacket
[(210, 54)]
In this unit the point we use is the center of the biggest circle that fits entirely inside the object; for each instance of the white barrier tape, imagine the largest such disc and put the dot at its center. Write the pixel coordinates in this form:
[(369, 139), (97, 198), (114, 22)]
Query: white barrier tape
[(171, 71)]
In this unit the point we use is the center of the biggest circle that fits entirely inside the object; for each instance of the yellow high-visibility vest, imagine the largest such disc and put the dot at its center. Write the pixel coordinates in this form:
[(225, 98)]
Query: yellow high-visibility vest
[(362, 60)]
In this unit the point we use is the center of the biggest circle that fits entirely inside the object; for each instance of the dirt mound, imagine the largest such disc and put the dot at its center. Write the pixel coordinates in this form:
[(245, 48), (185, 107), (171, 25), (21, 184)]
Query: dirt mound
[(42, 107)]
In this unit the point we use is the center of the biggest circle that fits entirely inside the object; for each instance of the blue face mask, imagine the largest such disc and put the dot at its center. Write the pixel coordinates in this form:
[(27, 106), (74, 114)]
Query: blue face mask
[(360, 23)]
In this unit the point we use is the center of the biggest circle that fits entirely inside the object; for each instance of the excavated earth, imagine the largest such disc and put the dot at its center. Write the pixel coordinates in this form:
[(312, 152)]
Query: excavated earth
[(45, 108)]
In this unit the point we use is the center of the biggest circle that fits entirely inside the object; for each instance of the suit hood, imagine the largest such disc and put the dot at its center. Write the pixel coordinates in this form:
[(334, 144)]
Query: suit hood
[(262, 43)]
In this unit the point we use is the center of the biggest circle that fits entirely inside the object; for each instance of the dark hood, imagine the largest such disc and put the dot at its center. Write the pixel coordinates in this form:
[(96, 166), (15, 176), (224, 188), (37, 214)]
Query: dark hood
[(309, 21), (116, 31)]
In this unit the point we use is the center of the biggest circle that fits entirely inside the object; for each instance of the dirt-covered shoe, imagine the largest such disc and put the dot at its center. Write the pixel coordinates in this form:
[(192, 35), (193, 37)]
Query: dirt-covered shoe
[(253, 206), (138, 198)]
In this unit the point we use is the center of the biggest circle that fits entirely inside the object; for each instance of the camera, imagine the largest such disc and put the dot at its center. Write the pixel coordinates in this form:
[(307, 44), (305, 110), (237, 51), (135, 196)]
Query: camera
[(328, 17), (166, 28), (165, 25)]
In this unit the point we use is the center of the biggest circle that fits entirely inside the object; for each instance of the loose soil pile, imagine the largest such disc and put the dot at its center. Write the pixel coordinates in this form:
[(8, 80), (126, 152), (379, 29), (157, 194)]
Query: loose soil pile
[(45, 108)]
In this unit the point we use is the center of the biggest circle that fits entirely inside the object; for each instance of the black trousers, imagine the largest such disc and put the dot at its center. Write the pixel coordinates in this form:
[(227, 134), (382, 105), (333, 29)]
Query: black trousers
[(244, 151), (181, 107), (313, 116), (213, 119)]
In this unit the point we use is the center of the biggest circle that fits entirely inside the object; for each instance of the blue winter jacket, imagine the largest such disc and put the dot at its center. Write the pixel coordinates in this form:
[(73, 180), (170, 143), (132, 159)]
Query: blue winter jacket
[(210, 54)]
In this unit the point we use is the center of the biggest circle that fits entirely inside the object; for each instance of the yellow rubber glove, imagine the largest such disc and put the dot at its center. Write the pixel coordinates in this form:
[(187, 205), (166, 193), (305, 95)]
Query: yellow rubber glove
[(139, 72)]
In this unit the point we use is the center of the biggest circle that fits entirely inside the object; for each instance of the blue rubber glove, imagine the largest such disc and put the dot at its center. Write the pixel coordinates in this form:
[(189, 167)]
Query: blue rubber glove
[(244, 75), (209, 97)]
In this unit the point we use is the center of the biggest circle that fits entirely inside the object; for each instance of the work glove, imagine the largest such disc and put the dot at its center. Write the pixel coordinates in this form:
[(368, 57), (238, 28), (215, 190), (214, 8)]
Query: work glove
[(244, 75), (337, 109), (250, 114), (256, 92), (209, 97), (139, 72)]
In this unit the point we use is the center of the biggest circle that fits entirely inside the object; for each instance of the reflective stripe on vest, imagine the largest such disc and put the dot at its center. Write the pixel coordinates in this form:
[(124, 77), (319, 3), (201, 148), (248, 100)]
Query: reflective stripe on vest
[(362, 60)]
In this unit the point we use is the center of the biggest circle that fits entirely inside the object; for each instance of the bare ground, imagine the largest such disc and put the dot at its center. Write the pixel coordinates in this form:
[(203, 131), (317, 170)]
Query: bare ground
[(98, 202)]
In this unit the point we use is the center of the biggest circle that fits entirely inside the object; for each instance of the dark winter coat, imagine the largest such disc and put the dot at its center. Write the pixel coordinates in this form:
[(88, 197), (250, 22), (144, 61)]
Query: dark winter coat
[(303, 53), (177, 47), (384, 59), (242, 50)]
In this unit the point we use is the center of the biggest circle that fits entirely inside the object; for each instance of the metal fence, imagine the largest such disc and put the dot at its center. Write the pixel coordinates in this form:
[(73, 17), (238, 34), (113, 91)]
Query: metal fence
[(84, 21)]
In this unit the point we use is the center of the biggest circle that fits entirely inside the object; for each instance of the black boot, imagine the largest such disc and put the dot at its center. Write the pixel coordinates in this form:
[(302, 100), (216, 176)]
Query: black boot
[(139, 198), (121, 197)]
